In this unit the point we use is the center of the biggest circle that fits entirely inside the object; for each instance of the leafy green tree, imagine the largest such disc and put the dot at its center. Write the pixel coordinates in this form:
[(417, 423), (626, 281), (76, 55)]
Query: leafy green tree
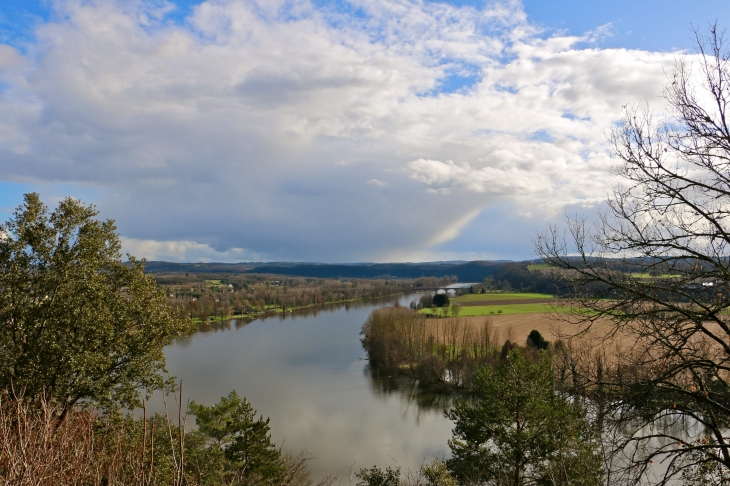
[(535, 340), (78, 323), (232, 428), (440, 300), (520, 431), (377, 477)]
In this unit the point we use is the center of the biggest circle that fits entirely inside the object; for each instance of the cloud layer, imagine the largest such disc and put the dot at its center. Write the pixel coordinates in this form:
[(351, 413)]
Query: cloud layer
[(288, 130)]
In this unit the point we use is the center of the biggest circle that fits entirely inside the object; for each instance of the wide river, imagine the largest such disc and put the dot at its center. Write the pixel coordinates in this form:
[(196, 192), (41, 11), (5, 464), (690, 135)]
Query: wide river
[(307, 371)]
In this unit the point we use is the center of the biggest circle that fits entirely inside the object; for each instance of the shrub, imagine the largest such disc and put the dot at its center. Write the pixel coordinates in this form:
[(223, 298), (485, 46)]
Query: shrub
[(536, 341), (437, 474), (426, 301), (377, 477), (441, 300), (436, 352)]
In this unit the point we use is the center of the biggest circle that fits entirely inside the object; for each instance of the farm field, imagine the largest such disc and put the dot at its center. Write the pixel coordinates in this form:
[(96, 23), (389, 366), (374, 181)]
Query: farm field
[(507, 302), (499, 303), (503, 309), (468, 298), (517, 327), (514, 327), (647, 276)]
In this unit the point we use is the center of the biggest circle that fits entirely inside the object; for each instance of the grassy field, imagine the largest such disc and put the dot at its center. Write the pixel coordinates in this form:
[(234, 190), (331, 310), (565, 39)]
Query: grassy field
[(495, 310), (539, 266), (647, 276), (499, 296)]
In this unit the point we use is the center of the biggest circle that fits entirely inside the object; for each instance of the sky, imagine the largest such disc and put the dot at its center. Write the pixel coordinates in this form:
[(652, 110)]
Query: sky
[(329, 130)]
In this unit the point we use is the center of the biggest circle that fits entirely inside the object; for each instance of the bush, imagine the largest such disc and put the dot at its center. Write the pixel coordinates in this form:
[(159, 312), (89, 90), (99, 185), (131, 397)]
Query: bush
[(441, 300), (377, 477), (536, 341), (426, 301), (113, 450), (437, 474), (436, 352)]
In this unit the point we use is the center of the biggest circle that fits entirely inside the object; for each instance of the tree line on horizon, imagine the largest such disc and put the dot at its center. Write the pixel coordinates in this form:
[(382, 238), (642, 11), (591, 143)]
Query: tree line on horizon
[(475, 271), (255, 294)]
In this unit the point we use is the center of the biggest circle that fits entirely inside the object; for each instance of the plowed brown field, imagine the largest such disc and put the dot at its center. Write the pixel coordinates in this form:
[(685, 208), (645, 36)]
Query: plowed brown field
[(517, 327)]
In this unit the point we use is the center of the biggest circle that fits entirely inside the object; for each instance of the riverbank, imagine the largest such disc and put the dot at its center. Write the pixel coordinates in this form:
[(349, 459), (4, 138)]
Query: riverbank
[(279, 310)]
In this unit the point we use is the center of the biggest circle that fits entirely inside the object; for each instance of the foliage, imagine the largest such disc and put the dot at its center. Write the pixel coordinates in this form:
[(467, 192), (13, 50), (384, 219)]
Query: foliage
[(440, 300), (377, 477), (431, 474), (116, 450), (32, 447), (519, 277), (535, 340), (697, 471), (668, 219), (441, 352), (386, 336), (521, 431), (426, 301), (86, 448), (248, 294), (78, 323), (231, 427), (436, 473)]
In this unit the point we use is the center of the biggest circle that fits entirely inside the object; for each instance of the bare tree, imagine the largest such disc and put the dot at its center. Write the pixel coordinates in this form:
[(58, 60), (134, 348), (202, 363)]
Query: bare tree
[(653, 273)]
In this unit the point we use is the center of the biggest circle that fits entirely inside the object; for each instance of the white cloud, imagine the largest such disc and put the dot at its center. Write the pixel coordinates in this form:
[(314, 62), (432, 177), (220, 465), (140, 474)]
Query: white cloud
[(184, 251), (377, 183), (249, 128)]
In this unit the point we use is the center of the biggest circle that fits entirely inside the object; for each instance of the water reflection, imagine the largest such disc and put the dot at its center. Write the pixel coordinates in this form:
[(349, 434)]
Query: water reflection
[(305, 313), (217, 326), (306, 370), (314, 311), (385, 385)]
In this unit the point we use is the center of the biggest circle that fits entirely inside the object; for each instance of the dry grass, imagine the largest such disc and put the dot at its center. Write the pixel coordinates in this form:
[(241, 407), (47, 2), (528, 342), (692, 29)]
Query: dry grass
[(36, 450), (514, 327)]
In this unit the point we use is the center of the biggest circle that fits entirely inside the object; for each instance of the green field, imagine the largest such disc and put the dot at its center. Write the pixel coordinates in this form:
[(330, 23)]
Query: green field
[(499, 296), (494, 310), (647, 276), (539, 266)]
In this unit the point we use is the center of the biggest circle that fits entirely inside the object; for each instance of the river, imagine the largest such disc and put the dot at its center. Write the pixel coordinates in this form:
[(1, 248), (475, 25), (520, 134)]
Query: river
[(307, 372)]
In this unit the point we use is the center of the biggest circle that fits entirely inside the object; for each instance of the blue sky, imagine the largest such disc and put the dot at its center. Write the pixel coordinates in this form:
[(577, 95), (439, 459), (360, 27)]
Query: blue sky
[(655, 25), (327, 131), (652, 25)]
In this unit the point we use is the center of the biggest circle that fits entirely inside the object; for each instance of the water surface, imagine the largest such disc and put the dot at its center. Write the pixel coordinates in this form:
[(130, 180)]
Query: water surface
[(307, 372)]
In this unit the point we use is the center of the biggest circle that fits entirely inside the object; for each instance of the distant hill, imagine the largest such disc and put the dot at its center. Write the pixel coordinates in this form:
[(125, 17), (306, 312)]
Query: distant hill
[(169, 267), (465, 271)]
